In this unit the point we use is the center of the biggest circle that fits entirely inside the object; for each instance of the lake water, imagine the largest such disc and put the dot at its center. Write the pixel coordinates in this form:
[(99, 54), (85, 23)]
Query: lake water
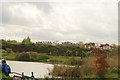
[(40, 70)]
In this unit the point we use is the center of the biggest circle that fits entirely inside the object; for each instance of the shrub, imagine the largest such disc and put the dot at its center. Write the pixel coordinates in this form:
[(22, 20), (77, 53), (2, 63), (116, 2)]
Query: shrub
[(66, 71), (23, 57), (33, 56), (113, 69), (74, 61), (87, 68), (4, 51), (101, 64), (9, 50)]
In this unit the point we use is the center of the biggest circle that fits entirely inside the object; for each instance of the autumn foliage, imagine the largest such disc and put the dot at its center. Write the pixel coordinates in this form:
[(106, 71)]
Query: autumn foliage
[(100, 63)]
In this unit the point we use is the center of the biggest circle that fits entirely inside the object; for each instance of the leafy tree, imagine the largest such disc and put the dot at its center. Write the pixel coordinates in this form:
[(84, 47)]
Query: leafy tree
[(26, 40), (81, 44), (114, 45), (101, 64), (12, 41)]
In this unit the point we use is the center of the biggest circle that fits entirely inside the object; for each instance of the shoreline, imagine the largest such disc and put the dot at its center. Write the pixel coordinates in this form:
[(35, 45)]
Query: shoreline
[(29, 61)]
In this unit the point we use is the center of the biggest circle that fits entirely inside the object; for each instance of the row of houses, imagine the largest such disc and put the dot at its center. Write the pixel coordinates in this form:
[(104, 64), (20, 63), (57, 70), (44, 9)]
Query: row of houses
[(55, 43), (102, 46)]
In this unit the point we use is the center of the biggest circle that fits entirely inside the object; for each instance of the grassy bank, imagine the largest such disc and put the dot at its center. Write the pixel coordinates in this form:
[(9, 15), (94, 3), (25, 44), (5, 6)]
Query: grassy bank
[(38, 57)]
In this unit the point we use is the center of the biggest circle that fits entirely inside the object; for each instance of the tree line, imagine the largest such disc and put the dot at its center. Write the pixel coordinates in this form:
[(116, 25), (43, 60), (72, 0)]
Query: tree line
[(55, 50)]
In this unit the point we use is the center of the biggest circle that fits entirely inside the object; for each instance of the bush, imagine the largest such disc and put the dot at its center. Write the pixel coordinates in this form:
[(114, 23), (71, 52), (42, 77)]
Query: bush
[(4, 51), (23, 57), (9, 50), (113, 69), (34, 56), (66, 71), (74, 61)]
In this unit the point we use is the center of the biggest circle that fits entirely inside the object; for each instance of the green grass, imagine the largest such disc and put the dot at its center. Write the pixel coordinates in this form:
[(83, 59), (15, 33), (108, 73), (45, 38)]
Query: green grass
[(91, 76), (38, 57), (109, 75), (65, 60), (9, 56), (57, 59), (4, 77), (25, 56)]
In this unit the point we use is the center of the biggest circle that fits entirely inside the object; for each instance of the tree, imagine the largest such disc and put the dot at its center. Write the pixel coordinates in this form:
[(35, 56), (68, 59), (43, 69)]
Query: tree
[(89, 44), (26, 40), (114, 45), (12, 41), (81, 44), (101, 64)]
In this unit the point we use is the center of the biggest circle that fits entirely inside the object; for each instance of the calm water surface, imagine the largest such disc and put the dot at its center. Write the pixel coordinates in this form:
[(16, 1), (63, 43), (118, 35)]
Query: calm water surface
[(40, 70)]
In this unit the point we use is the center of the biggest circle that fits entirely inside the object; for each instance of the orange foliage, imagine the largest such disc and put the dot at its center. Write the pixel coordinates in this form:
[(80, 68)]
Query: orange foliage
[(100, 63)]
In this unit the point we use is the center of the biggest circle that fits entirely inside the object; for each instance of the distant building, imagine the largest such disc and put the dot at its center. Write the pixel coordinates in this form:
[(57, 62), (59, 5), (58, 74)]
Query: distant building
[(47, 42), (105, 46), (67, 43)]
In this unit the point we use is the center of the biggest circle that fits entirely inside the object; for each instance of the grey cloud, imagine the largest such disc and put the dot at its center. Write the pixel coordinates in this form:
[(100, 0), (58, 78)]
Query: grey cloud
[(10, 17), (61, 21), (45, 6), (0, 13)]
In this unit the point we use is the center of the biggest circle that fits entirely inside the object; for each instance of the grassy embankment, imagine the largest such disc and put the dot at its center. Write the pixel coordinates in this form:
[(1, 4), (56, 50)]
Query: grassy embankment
[(37, 57)]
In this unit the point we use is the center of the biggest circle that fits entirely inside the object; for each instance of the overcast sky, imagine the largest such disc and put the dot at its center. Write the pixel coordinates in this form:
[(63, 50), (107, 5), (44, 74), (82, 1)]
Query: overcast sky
[(51, 21)]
